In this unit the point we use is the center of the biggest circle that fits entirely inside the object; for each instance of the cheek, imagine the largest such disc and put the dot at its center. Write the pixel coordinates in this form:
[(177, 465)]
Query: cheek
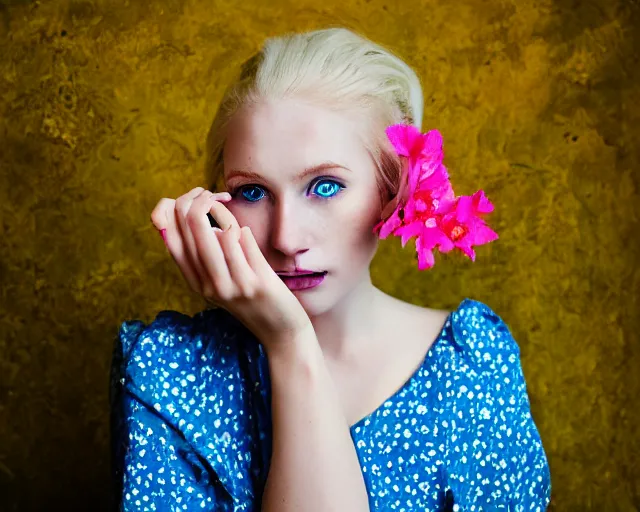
[(356, 225), (363, 212), (253, 218)]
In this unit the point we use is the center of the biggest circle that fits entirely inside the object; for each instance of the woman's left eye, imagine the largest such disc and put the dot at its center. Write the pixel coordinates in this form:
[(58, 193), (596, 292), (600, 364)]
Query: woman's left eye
[(327, 188)]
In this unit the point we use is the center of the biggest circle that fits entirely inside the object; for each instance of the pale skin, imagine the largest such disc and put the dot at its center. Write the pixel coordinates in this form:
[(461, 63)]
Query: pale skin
[(336, 352)]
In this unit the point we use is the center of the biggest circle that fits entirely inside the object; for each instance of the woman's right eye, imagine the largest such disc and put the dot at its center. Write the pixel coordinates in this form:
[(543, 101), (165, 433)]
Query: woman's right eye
[(248, 193)]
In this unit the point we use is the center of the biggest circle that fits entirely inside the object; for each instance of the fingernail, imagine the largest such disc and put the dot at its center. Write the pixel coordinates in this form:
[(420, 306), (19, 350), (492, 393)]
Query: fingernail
[(163, 234)]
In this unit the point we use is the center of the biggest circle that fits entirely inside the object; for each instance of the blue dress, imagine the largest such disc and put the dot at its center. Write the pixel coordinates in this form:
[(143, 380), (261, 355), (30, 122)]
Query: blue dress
[(191, 423)]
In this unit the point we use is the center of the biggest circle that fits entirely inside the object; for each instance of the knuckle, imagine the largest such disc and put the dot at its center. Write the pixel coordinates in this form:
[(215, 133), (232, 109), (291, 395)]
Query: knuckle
[(251, 288), (210, 294), (158, 215), (191, 194), (225, 293), (184, 198), (202, 197), (192, 216), (155, 220), (249, 292), (195, 211), (182, 208), (184, 202)]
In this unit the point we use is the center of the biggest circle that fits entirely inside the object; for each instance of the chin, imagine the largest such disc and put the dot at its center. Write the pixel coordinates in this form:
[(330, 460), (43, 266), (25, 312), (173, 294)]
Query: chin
[(315, 302)]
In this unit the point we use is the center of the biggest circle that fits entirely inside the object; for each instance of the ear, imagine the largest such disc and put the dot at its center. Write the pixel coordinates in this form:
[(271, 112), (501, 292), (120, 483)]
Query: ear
[(387, 210), (402, 194)]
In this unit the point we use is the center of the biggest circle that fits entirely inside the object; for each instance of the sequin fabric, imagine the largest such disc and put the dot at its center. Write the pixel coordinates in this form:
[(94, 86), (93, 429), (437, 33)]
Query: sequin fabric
[(191, 427)]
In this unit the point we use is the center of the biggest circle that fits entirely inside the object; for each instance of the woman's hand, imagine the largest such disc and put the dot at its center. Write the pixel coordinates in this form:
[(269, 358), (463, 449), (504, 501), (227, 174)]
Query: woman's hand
[(226, 266)]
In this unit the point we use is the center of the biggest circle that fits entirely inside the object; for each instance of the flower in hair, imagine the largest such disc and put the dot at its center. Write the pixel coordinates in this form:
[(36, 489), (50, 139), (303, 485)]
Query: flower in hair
[(426, 206)]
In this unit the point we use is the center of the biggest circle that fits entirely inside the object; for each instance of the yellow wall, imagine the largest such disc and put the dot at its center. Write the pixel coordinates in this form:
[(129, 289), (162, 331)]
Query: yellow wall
[(104, 108)]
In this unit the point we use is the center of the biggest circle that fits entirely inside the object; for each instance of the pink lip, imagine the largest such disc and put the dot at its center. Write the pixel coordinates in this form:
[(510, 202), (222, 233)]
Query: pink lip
[(302, 282), (299, 271)]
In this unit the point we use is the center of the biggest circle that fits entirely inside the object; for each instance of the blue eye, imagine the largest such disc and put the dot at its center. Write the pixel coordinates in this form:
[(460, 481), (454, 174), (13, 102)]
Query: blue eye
[(250, 197), (327, 189)]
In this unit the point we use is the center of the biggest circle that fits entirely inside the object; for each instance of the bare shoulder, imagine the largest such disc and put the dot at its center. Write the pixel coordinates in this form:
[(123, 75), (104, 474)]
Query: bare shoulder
[(421, 313), (432, 321), (434, 316), (420, 319)]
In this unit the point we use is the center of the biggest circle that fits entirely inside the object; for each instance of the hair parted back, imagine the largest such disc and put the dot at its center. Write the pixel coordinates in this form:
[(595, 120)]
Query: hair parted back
[(337, 69)]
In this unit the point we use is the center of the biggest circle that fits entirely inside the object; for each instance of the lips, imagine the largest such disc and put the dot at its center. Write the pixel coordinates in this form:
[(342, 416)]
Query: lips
[(301, 282), (290, 275)]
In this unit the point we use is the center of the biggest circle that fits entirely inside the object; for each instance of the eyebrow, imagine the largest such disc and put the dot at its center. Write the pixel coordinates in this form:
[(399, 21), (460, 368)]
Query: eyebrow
[(301, 176)]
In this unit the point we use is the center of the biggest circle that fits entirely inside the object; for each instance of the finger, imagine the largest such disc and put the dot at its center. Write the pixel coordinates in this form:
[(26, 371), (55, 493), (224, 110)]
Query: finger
[(241, 272), (225, 219), (255, 258), (215, 274), (164, 215), (183, 215), (159, 214)]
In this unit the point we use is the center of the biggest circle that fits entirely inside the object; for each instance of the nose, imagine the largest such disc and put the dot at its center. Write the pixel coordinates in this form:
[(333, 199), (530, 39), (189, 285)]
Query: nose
[(289, 230)]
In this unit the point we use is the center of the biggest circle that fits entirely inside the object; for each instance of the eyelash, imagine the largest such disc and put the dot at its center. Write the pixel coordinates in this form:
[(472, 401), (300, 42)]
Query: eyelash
[(238, 191)]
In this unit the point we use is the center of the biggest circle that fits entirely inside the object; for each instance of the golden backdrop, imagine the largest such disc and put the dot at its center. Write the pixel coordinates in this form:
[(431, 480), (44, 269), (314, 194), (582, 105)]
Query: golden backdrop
[(105, 107)]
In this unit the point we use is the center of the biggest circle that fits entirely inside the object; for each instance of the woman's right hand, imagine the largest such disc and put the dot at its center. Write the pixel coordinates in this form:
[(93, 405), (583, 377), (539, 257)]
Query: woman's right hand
[(227, 267)]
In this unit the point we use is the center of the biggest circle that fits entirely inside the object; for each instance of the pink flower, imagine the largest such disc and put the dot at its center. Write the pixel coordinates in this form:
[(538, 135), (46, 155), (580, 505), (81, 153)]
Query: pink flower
[(426, 206), (464, 226), (424, 184)]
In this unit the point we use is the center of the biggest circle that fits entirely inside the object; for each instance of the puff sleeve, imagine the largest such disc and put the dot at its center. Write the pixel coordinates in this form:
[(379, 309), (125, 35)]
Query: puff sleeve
[(182, 431), (496, 460)]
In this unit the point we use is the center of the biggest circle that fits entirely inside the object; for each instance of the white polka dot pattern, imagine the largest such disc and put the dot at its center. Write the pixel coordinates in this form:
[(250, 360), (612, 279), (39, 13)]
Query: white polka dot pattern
[(191, 421)]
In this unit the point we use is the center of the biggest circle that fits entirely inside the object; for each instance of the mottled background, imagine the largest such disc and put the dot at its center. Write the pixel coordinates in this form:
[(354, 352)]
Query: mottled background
[(104, 109)]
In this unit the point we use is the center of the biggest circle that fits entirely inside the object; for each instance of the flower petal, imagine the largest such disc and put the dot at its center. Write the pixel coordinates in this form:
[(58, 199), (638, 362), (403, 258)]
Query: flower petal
[(483, 234), (425, 254), (433, 145), (445, 244), (464, 245), (408, 230), (404, 137), (464, 209), (481, 203), (390, 224)]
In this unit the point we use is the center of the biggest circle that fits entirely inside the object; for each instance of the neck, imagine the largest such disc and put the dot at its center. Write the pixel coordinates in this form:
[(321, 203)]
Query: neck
[(346, 329)]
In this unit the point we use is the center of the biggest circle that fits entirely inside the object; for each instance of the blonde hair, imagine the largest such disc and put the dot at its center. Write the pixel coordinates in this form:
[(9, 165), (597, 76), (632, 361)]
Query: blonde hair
[(338, 69)]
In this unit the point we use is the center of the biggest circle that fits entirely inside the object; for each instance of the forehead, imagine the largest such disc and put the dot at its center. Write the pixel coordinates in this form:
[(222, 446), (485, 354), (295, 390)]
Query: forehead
[(285, 136)]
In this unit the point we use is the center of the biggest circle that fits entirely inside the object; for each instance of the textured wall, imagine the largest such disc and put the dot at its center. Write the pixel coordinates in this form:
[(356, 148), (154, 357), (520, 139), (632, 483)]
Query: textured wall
[(104, 108)]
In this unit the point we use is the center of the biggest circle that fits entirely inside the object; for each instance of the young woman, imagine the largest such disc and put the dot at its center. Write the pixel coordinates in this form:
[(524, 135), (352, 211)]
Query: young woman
[(307, 388)]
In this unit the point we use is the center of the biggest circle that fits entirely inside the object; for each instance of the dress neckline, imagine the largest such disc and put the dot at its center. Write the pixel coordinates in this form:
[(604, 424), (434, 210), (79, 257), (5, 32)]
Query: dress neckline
[(409, 382)]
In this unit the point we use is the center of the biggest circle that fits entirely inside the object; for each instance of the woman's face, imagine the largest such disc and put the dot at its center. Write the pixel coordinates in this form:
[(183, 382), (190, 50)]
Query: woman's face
[(319, 221)]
